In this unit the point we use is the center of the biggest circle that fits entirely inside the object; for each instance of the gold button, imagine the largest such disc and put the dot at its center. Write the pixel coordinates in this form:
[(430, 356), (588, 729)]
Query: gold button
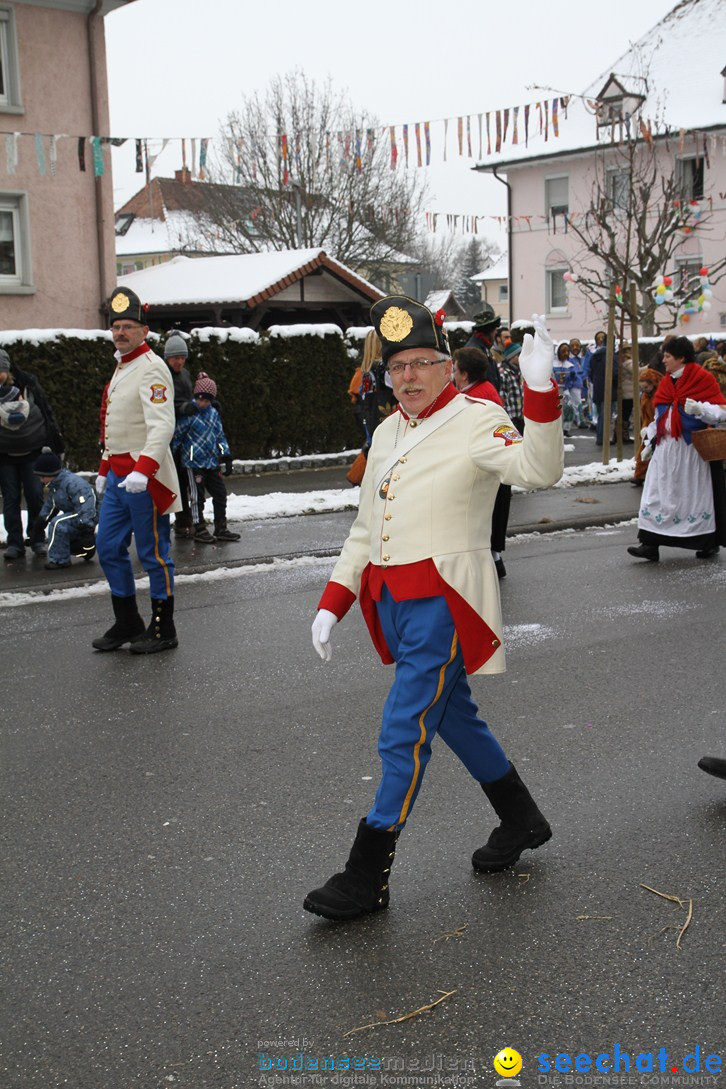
[(388, 517), (403, 460), (495, 642), (384, 565), (386, 557), (386, 537), (396, 476), (414, 423), (389, 496)]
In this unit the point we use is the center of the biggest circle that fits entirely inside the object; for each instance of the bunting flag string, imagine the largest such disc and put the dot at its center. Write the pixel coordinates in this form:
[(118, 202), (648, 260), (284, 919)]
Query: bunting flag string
[(510, 126)]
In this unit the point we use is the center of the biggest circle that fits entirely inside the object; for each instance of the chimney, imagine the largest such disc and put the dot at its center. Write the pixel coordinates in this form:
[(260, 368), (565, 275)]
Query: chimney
[(184, 176)]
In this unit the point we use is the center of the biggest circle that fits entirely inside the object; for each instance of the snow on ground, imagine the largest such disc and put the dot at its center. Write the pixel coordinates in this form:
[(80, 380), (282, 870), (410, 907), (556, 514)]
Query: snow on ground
[(246, 508)]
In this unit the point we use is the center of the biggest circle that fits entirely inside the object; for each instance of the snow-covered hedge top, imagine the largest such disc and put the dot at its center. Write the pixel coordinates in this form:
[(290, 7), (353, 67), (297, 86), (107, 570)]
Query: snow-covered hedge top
[(235, 333), (305, 331)]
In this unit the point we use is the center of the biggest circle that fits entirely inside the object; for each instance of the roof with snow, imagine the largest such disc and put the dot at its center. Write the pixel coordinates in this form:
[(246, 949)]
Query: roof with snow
[(445, 300), (247, 278), (675, 68), (498, 270)]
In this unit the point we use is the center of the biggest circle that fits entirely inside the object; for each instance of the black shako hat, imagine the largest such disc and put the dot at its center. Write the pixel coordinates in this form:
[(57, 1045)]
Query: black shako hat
[(403, 323), (126, 305)]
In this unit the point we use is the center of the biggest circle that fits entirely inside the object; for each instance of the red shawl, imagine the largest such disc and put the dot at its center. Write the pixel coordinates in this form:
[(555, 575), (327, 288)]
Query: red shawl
[(695, 382)]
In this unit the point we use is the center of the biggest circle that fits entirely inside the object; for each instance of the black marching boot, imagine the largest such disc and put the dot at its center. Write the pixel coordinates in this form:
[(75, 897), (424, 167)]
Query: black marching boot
[(522, 827), (128, 624), (645, 552), (362, 888), (161, 633), (223, 533)]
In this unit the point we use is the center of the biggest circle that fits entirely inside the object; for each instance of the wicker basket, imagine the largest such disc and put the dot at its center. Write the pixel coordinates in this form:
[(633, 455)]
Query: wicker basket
[(710, 443)]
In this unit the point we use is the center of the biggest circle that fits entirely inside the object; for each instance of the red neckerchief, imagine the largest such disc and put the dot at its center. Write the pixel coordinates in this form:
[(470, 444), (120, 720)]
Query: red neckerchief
[(142, 348), (695, 382), (447, 394)]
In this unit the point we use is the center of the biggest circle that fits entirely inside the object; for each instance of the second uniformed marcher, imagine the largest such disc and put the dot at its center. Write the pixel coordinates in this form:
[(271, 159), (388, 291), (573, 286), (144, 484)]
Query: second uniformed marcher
[(418, 559), (138, 481)]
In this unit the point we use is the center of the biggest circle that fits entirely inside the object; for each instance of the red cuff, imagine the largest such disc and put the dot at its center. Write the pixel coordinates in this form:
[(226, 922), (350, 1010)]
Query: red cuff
[(103, 467), (146, 465), (337, 599), (542, 406)]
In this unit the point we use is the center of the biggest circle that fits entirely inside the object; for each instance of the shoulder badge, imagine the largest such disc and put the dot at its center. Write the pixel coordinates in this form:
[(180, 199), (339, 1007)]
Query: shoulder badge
[(396, 324), (508, 433), (158, 394)]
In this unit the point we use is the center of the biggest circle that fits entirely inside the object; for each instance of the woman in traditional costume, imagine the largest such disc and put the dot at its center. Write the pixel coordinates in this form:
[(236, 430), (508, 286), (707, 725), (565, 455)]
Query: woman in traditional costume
[(684, 497)]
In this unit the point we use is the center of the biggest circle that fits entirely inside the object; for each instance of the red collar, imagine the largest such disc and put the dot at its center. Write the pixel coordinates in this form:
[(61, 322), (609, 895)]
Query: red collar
[(141, 350), (447, 394)]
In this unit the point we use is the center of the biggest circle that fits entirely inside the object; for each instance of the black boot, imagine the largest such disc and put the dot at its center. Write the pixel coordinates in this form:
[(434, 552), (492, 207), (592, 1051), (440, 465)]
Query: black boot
[(127, 627), (708, 553), (645, 552), (522, 824), (362, 888), (222, 533), (714, 765), (161, 633)]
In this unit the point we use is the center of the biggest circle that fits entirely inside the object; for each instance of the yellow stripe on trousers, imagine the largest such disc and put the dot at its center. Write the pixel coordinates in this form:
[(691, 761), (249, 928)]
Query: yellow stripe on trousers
[(422, 734), (158, 555)]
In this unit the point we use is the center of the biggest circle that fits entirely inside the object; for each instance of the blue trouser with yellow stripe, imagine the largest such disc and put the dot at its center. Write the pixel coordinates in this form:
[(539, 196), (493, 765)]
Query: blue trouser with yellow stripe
[(430, 695), (123, 515)]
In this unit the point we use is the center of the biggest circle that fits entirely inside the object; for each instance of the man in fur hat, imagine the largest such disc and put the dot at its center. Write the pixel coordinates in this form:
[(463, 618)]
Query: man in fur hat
[(418, 559), (138, 482)]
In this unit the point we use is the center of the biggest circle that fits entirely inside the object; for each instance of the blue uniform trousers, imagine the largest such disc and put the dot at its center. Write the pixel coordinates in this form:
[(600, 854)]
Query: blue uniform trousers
[(121, 516), (430, 695)]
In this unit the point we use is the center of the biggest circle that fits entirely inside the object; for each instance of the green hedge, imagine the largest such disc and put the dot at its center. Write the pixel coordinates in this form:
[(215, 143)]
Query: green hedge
[(279, 395)]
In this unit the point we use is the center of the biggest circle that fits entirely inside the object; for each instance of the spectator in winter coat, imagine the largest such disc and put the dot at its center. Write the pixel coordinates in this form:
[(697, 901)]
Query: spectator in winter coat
[(486, 324), (176, 353), (370, 381), (597, 385), (27, 425), (202, 445), (510, 385), (69, 512)]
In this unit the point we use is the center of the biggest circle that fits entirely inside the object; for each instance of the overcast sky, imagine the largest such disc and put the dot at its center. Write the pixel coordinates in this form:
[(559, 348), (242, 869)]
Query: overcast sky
[(177, 67)]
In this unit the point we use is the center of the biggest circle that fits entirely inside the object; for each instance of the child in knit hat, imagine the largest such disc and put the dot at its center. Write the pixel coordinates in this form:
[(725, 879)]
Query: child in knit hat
[(202, 445), (69, 512), (648, 380)]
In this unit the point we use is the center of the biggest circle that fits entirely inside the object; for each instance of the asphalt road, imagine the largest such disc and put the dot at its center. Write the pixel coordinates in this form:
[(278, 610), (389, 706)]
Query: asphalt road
[(165, 816)]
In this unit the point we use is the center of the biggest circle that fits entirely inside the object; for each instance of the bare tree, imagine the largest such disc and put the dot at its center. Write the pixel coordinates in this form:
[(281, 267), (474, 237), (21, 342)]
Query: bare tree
[(303, 169), (644, 206)]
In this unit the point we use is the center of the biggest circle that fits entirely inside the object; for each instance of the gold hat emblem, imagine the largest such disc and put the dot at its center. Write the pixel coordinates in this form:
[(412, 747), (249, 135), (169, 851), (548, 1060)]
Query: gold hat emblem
[(120, 302), (396, 324)]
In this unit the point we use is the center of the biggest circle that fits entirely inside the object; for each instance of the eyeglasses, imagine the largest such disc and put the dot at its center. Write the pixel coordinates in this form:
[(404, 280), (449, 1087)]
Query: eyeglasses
[(124, 328), (414, 365)]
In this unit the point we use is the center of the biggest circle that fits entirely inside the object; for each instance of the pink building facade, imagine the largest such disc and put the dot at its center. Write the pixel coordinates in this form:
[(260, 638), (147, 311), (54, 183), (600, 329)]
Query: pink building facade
[(57, 262), (669, 85)]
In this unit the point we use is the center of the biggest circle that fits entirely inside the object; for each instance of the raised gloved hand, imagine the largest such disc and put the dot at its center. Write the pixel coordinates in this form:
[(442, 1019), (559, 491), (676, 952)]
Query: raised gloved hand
[(693, 408), (100, 484), (537, 356), (134, 483), (323, 624)]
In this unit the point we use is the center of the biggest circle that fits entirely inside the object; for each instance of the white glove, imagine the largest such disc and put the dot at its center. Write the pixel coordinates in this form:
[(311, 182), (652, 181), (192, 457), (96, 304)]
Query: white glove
[(134, 483), (693, 408), (647, 452), (323, 624), (537, 356), (100, 485), (644, 433)]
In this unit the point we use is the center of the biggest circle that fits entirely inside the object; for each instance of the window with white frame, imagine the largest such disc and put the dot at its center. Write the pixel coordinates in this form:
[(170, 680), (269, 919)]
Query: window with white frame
[(556, 290), (503, 293), (689, 178), (15, 270), (688, 275), (9, 71), (617, 184), (557, 196)]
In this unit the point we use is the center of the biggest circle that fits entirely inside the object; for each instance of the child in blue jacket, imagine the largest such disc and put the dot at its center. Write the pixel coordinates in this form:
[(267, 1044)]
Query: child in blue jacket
[(202, 444), (69, 512)]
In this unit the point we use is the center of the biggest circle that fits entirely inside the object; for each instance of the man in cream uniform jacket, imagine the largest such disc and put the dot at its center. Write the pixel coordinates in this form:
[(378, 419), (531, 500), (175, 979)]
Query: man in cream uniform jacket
[(419, 561), (138, 481)]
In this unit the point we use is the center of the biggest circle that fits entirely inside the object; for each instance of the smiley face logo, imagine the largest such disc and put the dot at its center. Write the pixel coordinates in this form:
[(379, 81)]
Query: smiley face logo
[(508, 1062)]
